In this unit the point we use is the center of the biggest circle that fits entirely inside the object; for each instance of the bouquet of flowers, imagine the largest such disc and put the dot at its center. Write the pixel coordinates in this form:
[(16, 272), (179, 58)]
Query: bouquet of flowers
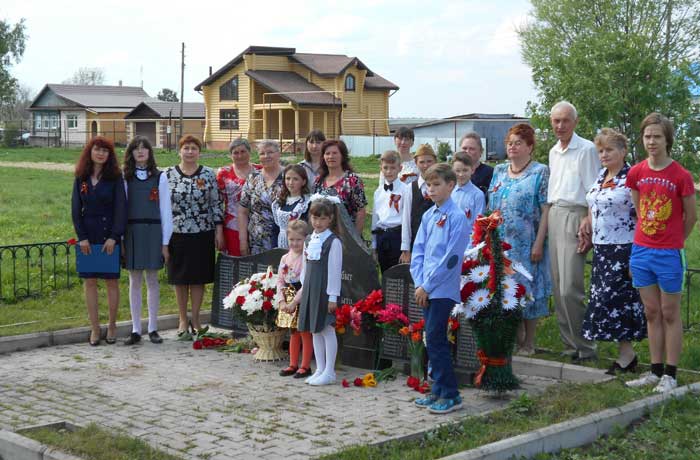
[(360, 316), (253, 300), (416, 348), (392, 318), (492, 300)]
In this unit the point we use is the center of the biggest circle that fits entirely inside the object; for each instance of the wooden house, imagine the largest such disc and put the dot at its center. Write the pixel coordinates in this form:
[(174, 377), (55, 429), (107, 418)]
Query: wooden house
[(277, 93), (69, 115), (159, 122)]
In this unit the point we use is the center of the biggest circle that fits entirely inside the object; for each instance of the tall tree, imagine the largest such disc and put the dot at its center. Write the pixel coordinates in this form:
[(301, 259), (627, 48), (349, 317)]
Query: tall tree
[(615, 60), (87, 76), (12, 43), (167, 94)]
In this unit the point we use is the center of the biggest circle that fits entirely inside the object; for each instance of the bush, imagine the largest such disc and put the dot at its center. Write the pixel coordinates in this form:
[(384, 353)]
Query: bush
[(11, 135), (444, 151)]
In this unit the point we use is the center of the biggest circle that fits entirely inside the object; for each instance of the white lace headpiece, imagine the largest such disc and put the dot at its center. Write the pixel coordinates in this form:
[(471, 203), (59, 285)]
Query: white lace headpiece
[(331, 198)]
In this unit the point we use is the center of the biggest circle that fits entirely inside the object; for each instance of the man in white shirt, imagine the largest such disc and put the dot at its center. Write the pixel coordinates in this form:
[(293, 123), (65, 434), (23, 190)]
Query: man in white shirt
[(574, 168)]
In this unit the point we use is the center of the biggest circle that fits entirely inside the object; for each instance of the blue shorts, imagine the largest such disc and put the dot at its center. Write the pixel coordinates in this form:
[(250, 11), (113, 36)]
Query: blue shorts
[(665, 267)]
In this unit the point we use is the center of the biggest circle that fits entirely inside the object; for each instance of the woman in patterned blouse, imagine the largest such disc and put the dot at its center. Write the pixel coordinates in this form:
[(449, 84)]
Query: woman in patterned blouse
[(231, 180), (336, 177), (197, 229), (256, 225)]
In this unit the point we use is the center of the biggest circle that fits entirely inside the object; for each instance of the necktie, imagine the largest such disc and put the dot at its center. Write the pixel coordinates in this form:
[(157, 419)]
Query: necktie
[(389, 187)]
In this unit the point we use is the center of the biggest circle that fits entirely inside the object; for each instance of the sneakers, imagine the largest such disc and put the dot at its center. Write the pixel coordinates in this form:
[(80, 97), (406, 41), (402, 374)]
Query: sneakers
[(646, 379), (315, 375), (426, 401), (323, 379), (445, 406), (666, 384)]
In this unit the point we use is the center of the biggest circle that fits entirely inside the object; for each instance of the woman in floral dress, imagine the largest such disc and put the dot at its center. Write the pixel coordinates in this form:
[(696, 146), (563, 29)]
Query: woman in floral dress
[(519, 190), (615, 311), (197, 229), (231, 180), (256, 224), (336, 178)]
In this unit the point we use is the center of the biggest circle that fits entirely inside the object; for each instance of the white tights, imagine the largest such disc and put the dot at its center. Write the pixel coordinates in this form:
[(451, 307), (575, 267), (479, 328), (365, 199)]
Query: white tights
[(153, 296), (325, 350)]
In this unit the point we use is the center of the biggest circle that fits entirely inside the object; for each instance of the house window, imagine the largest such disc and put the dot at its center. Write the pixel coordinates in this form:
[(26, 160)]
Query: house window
[(349, 83), (37, 121), (72, 121), (228, 119), (54, 121), (229, 90)]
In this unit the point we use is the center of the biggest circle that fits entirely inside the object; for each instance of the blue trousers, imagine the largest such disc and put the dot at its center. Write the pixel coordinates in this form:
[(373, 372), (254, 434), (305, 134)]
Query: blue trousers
[(439, 354)]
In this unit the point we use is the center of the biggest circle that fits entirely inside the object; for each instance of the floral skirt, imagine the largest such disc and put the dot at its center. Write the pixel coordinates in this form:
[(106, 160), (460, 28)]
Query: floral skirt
[(615, 311)]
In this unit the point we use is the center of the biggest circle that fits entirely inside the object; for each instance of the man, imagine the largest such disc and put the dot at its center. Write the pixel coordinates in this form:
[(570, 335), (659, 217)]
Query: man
[(482, 173), (574, 167)]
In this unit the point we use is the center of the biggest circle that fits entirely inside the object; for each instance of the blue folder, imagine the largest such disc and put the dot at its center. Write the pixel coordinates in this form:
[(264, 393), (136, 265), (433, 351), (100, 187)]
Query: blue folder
[(97, 261)]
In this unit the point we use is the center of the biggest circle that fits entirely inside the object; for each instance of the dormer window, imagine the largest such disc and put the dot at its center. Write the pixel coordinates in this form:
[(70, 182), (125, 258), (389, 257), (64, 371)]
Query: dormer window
[(229, 90), (349, 83)]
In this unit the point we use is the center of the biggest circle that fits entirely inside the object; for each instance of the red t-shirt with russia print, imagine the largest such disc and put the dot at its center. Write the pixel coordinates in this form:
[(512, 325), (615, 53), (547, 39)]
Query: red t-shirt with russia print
[(660, 213)]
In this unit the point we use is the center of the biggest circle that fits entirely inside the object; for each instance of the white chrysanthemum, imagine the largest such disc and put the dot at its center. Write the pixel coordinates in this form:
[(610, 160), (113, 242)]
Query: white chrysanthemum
[(459, 309), (257, 277), (520, 268), (479, 298), (479, 274), (241, 289), (270, 281), (471, 253), (471, 312), (509, 286), (229, 300), (253, 302), (509, 302)]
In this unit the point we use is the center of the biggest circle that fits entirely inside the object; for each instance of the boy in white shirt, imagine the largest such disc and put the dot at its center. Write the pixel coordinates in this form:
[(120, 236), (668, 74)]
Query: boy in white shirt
[(390, 204)]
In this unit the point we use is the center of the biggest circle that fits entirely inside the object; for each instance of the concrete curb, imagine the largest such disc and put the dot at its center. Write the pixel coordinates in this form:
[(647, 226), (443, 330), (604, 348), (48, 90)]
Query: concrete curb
[(558, 371), (14, 446), (572, 433), (12, 343)]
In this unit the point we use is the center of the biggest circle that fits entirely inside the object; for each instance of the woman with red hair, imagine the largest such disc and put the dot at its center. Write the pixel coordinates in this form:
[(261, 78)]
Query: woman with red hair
[(99, 217)]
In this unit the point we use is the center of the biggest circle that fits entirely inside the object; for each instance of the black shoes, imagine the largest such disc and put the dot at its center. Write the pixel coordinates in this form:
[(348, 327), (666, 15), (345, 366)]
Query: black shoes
[(154, 337), (615, 367), (133, 339)]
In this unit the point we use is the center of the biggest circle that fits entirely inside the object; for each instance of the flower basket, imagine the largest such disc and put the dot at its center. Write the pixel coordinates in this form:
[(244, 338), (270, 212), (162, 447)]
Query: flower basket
[(254, 301), (269, 343)]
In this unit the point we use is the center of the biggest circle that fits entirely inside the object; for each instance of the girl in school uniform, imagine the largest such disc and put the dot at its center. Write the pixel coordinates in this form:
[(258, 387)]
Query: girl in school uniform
[(292, 202), (290, 275), (148, 231), (320, 292)]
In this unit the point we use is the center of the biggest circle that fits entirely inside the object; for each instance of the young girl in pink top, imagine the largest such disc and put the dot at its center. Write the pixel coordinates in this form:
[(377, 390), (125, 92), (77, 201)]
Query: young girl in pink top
[(289, 273)]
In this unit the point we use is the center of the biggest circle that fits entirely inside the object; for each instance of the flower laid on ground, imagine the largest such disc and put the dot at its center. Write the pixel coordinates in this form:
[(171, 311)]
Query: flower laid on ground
[(206, 339), (253, 300), (415, 383), (371, 379)]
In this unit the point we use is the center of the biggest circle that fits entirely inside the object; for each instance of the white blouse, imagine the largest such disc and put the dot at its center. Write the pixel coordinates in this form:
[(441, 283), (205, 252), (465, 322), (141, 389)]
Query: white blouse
[(612, 210), (166, 211)]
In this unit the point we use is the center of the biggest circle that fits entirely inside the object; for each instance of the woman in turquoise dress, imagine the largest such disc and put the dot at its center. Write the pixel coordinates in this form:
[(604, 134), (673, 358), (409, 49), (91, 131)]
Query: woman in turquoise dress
[(519, 190)]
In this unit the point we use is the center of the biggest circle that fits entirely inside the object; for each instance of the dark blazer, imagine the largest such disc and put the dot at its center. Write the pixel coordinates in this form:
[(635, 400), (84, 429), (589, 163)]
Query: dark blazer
[(99, 212)]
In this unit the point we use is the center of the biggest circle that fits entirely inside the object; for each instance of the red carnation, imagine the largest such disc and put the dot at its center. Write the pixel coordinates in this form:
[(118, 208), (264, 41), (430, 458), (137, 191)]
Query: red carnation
[(345, 383), (240, 300), (269, 293), (412, 382), (267, 305), (357, 382), (519, 291), (197, 345), (468, 265), (252, 289)]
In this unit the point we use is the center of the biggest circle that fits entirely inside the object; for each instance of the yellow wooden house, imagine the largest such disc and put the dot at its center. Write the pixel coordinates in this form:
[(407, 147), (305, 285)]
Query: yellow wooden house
[(277, 93)]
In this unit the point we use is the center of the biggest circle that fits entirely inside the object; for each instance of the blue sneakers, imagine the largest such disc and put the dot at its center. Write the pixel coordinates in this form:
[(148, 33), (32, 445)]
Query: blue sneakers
[(445, 406), (426, 401)]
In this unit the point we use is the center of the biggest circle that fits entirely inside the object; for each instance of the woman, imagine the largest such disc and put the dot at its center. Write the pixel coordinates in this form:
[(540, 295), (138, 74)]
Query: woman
[(336, 177), (312, 154), (615, 311), (256, 225), (99, 217), (519, 190), (197, 229), (231, 180)]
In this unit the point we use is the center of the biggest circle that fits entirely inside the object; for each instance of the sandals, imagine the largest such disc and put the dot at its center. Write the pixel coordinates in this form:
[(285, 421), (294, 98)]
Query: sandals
[(302, 373), (290, 370)]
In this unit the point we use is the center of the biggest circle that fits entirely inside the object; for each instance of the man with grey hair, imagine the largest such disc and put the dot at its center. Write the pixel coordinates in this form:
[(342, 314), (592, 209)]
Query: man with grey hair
[(574, 168), (481, 177)]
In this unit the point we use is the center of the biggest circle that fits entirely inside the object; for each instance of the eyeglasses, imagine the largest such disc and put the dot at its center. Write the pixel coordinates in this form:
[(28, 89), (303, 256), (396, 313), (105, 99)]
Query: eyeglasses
[(514, 143)]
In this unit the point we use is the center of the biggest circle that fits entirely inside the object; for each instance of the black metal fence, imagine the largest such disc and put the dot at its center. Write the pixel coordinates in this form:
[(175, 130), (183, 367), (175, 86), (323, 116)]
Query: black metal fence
[(34, 270)]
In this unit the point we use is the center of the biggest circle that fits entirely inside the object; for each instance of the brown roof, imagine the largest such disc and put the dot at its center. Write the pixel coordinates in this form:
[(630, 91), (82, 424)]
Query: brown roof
[(293, 87), (94, 96), (324, 65)]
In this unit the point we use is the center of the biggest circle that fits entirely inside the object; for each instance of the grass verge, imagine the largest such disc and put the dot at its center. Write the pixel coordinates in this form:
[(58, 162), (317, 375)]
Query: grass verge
[(95, 443)]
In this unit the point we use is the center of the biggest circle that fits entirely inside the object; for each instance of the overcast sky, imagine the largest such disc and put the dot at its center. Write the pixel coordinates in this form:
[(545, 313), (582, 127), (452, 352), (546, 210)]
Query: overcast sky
[(448, 57)]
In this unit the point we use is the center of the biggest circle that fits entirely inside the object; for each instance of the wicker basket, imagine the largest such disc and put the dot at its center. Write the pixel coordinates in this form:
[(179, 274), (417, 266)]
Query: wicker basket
[(269, 344)]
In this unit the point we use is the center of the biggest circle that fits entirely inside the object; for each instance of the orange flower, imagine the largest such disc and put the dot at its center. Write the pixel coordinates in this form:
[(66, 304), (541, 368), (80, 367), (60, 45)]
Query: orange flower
[(416, 336), (369, 381), (404, 330)]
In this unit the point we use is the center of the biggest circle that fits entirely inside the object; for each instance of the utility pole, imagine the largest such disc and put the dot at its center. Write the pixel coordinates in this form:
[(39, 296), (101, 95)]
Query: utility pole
[(182, 88), (669, 9)]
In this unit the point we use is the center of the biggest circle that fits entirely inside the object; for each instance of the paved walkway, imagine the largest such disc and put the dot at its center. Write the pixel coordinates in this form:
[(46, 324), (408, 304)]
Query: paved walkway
[(202, 404)]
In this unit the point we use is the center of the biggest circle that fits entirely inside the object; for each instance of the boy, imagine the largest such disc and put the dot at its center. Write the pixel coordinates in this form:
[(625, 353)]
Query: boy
[(389, 207), (417, 200), (403, 140), (467, 196), (664, 197), (436, 266)]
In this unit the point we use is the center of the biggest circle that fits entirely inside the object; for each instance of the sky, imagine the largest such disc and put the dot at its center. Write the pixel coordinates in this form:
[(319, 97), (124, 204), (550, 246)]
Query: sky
[(448, 57)]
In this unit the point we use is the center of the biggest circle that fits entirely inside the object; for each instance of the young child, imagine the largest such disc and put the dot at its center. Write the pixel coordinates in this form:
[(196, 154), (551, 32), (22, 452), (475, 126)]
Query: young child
[(417, 201), (389, 207), (292, 202), (148, 231), (436, 265), (467, 196), (664, 197), (321, 278), (289, 275)]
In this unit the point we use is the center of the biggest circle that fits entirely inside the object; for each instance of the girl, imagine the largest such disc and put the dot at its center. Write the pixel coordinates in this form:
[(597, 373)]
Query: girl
[(664, 197), (289, 275), (321, 276), (98, 210), (148, 231), (292, 202), (312, 154)]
